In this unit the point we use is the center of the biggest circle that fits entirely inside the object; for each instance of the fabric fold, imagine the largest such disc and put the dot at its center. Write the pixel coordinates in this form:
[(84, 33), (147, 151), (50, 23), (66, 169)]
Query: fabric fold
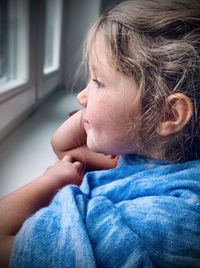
[(144, 213)]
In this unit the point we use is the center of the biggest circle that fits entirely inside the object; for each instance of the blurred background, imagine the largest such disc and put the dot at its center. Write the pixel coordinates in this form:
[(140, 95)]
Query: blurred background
[(41, 46)]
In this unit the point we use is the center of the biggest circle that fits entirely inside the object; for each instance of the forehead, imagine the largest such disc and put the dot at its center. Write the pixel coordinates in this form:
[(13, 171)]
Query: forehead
[(102, 62), (99, 57)]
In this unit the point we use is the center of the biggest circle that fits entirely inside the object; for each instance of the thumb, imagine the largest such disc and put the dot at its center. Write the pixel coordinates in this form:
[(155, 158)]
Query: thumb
[(80, 170)]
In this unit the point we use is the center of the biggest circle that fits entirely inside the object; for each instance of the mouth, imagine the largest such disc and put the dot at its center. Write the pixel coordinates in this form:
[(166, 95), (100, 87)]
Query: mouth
[(85, 122)]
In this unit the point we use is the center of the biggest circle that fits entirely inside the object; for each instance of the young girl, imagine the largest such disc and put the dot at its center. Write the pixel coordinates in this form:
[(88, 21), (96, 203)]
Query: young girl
[(141, 103)]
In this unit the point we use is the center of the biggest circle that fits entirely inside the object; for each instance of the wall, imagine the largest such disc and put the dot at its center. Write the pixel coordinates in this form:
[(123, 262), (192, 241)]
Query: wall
[(107, 4), (81, 16)]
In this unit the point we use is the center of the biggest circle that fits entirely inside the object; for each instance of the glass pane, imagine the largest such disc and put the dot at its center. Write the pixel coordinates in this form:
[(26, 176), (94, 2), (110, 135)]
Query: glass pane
[(13, 43), (52, 35)]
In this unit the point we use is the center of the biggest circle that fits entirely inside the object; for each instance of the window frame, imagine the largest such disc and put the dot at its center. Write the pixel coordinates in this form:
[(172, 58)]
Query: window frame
[(13, 87), (57, 40)]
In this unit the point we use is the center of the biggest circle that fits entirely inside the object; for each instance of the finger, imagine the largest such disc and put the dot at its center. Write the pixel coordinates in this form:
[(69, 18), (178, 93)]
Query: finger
[(67, 158), (79, 165), (111, 156), (114, 156)]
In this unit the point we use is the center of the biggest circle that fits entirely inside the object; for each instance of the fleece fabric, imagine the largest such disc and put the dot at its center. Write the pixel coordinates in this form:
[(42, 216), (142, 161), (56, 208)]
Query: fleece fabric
[(144, 213)]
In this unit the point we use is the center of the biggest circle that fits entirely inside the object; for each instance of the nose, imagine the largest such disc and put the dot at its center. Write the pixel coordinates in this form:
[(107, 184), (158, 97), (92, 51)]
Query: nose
[(82, 97)]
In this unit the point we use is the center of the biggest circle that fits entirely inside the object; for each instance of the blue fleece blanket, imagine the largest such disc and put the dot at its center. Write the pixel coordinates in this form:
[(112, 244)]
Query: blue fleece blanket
[(144, 213)]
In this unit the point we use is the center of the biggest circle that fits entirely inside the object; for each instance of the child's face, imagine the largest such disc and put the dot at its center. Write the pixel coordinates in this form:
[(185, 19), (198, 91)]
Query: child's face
[(110, 111)]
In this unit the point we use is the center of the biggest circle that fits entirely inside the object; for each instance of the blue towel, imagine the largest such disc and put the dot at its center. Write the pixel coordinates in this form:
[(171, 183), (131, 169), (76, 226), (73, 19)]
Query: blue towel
[(144, 213)]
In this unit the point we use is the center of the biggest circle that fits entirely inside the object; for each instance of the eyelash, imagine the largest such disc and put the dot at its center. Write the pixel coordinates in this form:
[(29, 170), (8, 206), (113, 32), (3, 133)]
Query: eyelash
[(98, 83)]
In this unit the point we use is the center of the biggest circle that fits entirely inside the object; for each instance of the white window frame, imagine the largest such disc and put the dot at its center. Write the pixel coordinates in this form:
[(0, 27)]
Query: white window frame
[(56, 40), (21, 76)]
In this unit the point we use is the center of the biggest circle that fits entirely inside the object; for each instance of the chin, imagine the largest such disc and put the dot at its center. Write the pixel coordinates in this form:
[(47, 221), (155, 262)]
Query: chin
[(95, 148), (92, 147)]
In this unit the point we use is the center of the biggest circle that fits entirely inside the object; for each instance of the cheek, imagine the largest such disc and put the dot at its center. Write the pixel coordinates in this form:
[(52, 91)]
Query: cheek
[(107, 114), (99, 118), (98, 112)]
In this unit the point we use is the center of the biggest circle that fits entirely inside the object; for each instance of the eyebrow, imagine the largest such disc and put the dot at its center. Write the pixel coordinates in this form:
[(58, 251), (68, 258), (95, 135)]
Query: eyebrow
[(97, 71), (92, 67)]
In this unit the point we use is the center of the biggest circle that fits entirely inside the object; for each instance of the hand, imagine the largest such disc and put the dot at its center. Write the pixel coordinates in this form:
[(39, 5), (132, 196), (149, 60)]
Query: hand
[(66, 171), (112, 156)]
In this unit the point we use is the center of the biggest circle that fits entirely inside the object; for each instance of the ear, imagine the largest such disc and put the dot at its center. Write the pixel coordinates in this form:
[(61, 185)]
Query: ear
[(179, 110)]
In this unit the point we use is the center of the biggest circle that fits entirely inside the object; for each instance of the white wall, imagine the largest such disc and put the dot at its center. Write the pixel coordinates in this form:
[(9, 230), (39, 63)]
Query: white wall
[(15, 106)]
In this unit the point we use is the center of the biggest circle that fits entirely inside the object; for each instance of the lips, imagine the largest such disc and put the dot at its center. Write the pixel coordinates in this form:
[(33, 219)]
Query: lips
[(86, 124), (84, 120)]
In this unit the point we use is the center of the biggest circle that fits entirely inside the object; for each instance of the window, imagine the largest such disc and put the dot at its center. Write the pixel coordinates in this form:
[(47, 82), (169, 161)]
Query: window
[(13, 43), (52, 35)]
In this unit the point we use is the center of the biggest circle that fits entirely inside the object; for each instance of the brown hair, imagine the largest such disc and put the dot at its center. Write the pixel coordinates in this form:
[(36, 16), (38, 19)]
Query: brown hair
[(157, 43)]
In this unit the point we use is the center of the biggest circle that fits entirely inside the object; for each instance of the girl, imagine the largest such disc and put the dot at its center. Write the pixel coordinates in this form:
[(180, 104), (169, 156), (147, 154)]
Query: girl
[(71, 138), (142, 103)]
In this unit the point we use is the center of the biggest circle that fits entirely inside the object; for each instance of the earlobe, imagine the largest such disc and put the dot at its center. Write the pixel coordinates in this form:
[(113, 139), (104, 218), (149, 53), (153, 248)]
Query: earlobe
[(179, 110)]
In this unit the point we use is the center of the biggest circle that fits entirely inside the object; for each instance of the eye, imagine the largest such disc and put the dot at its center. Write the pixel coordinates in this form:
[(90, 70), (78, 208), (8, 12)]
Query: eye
[(98, 83)]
